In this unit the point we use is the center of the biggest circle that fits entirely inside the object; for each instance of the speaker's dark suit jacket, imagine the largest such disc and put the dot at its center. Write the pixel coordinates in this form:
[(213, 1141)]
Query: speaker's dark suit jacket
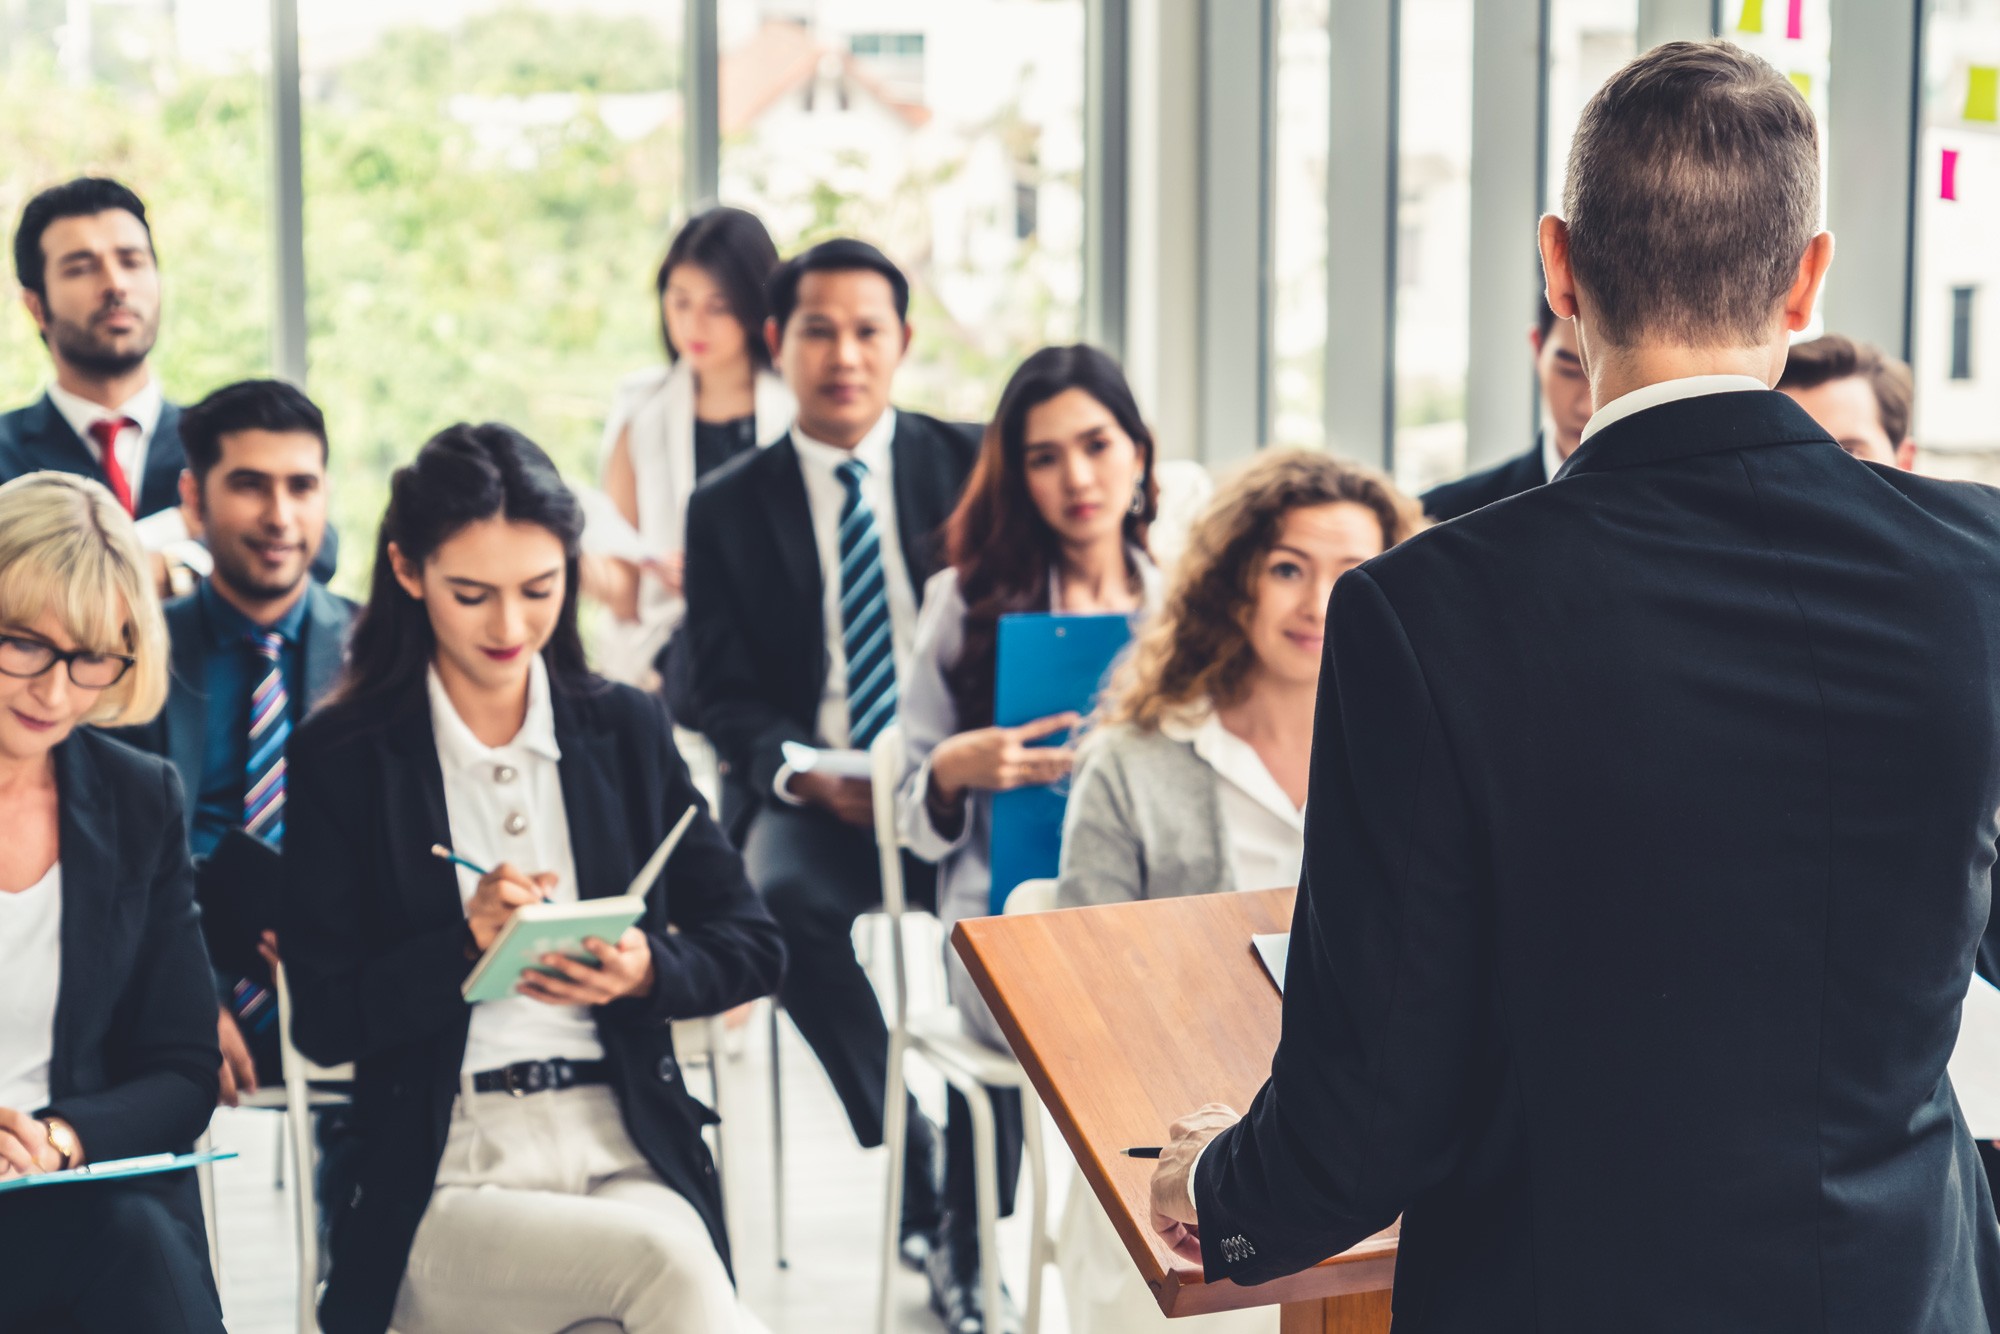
[(180, 732), (1523, 472), (38, 437), (375, 949), (755, 615), (135, 1062), (1650, 841)]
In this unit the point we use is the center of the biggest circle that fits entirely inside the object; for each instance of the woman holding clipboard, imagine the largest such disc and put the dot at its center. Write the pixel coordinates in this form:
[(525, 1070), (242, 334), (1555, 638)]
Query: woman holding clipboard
[(1054, 519), (534, 1162), (107, 1007)]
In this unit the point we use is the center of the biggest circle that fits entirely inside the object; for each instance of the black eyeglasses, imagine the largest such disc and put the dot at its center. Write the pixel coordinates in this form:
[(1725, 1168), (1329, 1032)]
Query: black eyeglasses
[(29, 658)]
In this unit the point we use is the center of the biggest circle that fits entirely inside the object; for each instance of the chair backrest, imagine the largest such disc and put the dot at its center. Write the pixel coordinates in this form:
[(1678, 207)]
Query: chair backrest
[(1030, 896), (887, 760)]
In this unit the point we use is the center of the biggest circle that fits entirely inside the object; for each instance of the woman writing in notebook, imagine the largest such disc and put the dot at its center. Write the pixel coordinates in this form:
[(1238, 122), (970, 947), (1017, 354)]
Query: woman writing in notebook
[(107, 1007), (529, 1163), (1054, 518)]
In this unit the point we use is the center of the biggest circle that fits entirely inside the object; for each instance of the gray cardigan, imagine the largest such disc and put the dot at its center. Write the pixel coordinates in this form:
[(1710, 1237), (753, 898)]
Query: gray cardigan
[(1144, 821)]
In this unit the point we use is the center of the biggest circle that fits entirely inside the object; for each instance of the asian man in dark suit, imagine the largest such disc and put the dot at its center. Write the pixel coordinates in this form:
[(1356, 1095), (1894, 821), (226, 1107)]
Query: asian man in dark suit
[(1565, 409), (804, 564), (90, 280), (1652, 823)]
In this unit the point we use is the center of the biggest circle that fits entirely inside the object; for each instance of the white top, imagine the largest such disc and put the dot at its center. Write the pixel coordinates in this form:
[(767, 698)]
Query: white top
[(30, 976), (1667, 391), (654, 411), (505, 804), (1552, 459), (1265, 834), (826, 495)]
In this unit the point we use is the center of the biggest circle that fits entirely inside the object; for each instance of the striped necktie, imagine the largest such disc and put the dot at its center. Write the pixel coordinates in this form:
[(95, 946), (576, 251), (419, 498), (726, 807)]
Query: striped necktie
[(864, 614), (270, 727)]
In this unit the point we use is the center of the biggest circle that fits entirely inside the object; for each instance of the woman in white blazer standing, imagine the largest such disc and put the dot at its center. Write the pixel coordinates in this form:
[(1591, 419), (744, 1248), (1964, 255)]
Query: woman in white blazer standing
[(717, 397)]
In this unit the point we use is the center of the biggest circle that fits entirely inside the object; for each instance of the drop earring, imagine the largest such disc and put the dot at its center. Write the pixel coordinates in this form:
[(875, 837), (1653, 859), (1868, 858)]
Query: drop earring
[(1139, 495)]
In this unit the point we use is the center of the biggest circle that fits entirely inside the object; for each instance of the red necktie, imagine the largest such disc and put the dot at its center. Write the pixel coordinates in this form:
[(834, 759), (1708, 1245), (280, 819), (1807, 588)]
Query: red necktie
[(105, 432)]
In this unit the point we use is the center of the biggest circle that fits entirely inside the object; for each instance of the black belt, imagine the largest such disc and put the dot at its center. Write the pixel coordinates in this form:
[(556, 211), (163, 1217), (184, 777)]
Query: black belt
[(525, 1077)]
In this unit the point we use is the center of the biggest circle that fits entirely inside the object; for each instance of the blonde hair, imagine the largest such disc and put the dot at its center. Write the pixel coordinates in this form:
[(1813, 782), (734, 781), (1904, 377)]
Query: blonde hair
[(1197, 650), (67, 547)]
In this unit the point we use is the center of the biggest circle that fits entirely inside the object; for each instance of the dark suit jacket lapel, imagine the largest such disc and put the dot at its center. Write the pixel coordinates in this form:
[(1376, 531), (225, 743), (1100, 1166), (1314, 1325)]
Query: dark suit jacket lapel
[(599, 835), (323, 643), (56, 446), (414, 815), (782, 499), (924, 497), (160, 487), (185, 716), (90, 890)]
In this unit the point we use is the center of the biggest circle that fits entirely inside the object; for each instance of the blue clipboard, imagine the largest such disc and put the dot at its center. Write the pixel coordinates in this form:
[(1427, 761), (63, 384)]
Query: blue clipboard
[(116, 1169), (1048, 663)]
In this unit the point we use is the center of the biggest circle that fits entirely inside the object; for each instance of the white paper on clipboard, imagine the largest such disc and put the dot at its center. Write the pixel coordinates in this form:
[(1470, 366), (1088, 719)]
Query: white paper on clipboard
[(1272, 951)]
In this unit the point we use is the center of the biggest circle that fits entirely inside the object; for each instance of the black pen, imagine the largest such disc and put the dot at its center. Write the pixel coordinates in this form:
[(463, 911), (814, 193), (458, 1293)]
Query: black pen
[(1142, 1151)]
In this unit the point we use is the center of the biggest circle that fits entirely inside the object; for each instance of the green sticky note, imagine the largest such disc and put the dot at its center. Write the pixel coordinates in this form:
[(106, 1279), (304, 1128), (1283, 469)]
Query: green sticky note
[(1802, 82), (1982, 93), (1753, 16)]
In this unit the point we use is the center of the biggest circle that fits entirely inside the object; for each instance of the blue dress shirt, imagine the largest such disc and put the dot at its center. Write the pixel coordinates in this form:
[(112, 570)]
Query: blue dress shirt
[(233, 672)]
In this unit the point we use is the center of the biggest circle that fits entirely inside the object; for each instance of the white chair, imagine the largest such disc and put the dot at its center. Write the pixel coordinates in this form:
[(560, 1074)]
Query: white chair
[(967, 1064)]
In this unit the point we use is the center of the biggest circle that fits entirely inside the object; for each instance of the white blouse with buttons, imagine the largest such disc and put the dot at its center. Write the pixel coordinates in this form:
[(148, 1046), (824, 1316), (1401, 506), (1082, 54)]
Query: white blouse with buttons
[(505, 804)]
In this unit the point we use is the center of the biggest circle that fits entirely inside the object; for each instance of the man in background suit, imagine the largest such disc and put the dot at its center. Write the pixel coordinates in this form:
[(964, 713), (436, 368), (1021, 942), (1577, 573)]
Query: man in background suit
[(1652, 823), (1565, 408), (1859, 393), (804, 565), (91, 282)]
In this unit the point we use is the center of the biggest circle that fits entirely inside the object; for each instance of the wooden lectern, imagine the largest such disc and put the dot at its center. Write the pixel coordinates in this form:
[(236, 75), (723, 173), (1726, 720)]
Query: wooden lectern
[(1128, 1017)]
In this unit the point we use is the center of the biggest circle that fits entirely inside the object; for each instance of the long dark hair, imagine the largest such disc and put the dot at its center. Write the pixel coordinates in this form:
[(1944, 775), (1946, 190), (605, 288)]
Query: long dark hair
[(463, 475), (997, 540), (732, 247)]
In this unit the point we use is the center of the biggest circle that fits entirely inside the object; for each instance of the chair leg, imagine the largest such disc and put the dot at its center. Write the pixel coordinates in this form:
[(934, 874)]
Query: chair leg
[(278, 1158), (298, 1112), (778, 1139), (986, 1189), (895, 1119), (204, 1175), (713, 1027), (1038, 1216)]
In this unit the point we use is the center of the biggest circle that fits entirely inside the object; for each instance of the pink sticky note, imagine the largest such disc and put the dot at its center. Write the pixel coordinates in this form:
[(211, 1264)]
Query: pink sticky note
[(1795, 20), (1949, 188)]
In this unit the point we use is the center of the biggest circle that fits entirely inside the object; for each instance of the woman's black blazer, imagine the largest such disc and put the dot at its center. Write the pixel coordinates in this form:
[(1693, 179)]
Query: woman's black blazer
[(374, 939), (135, 1063)]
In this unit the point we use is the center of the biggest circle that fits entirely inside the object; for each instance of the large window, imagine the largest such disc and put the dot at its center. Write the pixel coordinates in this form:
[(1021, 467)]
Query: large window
[(1299, 224), (172, 99), (1589, 41), (949, 135), (1433, 240), (1958, 262), (489, 189)]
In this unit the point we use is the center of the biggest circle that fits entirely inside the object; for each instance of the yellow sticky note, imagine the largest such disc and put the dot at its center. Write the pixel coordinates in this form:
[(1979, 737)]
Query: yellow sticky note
[(1982, 93), (1753, 16), (1802, 82)]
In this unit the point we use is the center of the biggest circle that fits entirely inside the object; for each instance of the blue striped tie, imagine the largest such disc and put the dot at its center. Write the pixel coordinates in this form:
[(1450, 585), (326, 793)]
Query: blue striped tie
[(270, 727), (864, 614)]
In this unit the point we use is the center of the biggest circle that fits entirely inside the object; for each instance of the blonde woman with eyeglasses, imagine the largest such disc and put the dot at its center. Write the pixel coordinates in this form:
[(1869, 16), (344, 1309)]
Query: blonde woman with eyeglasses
[(107, 1012)]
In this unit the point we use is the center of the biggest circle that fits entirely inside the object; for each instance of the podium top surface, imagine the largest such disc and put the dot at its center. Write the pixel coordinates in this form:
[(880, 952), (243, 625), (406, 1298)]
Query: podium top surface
[(1128, 1017)]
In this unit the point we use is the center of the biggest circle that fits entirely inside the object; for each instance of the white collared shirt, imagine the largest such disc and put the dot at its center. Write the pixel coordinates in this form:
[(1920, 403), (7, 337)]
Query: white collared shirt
[(826, 496), (505, 804), (30, 982), (1667, 391), (131, 446), (1265, 833), (1552, 459)]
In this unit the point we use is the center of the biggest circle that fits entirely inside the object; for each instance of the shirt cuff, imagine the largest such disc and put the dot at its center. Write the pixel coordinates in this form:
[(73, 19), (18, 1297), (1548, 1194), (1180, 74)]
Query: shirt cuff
[(1194, 1170)]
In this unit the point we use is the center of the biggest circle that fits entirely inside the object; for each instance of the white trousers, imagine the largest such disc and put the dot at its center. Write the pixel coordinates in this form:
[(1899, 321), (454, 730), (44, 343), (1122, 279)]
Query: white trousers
[(546, 1218)]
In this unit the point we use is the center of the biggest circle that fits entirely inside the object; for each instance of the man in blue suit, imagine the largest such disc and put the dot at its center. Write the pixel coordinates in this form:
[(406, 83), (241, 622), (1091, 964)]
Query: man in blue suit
[(91, 282)]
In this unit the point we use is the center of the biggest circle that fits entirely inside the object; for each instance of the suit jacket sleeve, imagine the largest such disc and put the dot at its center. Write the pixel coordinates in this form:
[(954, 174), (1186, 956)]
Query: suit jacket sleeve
[(354, 992), (746, 729), (164, 1025), (724, 948), (1384, 988)]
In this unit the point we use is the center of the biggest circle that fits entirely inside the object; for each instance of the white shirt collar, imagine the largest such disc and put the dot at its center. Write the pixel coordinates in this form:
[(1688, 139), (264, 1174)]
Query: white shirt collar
[(458, 748), (143, 407), (1234, 760), (872, 451), (1667, 391), (1552, 459)]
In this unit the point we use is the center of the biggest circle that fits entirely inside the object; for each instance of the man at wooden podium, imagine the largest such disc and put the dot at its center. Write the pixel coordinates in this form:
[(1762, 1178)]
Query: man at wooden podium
[(1652, 824)]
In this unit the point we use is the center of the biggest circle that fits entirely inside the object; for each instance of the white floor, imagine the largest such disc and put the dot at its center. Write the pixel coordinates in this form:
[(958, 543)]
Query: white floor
[(833, 1207)]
